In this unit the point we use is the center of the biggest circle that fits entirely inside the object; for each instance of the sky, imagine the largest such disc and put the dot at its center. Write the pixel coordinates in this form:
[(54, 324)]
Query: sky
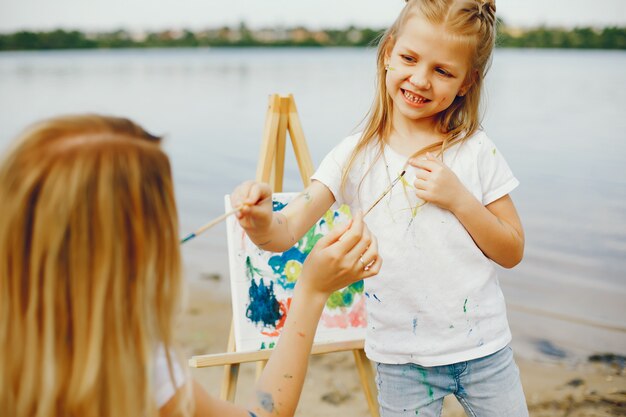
[(96, 15)]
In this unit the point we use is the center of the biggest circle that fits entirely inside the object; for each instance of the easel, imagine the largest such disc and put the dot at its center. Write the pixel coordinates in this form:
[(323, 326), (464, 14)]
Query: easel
[(282, 116)]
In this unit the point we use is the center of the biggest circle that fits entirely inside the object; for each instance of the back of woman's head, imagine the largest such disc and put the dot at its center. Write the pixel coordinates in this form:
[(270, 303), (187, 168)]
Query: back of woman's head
[(472, 22), (89, 267)]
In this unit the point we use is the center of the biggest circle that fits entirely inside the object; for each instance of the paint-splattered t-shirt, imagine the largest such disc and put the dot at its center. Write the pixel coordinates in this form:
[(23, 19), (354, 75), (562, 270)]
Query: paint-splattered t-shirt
[(437, 299)]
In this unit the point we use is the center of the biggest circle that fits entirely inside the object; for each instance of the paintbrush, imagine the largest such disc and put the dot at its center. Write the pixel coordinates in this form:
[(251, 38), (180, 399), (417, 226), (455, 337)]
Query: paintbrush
[(211, 224), (384, 193)]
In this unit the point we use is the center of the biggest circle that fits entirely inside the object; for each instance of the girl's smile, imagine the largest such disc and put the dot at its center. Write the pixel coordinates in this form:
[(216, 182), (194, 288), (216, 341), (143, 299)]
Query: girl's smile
[(414, 99)]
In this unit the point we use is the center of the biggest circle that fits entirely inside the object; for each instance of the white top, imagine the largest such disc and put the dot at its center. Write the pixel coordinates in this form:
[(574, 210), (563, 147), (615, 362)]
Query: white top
[(436, 300), (164, 387)]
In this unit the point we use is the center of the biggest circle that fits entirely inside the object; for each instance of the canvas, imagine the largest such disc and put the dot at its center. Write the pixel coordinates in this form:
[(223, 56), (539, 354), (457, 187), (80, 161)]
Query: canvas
[(262, 286)]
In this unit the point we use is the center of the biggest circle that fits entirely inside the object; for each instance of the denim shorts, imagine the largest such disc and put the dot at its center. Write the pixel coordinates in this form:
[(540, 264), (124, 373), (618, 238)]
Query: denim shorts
[(485, 387)]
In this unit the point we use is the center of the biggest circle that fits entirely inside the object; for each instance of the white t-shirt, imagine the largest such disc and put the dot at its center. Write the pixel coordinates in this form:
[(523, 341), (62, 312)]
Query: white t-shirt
[(164, 387), (436, 300)]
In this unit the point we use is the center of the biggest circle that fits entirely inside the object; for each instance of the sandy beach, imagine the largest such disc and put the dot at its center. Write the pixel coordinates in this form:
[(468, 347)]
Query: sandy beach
[(553, 388)]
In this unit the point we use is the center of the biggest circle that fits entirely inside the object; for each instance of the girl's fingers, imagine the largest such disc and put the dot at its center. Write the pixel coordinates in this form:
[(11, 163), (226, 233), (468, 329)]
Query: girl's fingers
[(420, 184), (423, 163)]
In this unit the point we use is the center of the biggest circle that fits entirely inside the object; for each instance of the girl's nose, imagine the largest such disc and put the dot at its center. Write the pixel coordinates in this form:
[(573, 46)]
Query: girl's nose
[(419, 80)]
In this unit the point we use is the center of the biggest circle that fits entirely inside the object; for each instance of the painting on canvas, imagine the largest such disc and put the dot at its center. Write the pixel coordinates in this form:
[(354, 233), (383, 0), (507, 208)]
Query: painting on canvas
[(262, 286)]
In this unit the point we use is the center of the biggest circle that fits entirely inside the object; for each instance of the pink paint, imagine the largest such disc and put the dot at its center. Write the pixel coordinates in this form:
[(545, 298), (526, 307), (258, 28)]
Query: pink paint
[(354, 318)]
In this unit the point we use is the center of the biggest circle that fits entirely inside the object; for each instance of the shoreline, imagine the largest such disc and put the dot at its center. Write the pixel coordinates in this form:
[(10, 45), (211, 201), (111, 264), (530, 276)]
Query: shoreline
[(554, 385)]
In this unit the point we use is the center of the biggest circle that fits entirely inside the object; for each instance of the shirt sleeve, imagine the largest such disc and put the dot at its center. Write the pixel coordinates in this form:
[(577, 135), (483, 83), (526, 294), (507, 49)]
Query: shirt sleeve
[(496, 178), (164, 386), (331, 169)]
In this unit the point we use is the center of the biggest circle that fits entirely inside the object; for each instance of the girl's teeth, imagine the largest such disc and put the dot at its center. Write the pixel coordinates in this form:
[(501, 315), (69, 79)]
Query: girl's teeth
[(413, 98)]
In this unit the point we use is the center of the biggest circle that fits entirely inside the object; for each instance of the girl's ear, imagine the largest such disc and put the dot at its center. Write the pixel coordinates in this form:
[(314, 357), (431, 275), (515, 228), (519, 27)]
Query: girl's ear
[(389, 44), (469, 81)]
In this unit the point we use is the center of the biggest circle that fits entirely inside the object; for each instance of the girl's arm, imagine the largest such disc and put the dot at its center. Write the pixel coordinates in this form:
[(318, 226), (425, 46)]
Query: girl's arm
[(331, 265), (278, 231), (496, 228)]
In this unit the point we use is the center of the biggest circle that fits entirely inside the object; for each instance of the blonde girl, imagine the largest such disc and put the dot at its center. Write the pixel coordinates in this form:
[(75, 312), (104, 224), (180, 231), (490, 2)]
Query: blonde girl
[(90, 281), (436, 315)]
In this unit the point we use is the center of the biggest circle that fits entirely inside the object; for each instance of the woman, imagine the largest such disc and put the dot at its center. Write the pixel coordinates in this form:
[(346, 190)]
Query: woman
[(90, 281)]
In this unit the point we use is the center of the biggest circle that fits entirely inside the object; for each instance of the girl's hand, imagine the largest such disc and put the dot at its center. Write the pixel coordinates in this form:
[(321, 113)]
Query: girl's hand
[(342, 257), (255, 200), (437, 184)]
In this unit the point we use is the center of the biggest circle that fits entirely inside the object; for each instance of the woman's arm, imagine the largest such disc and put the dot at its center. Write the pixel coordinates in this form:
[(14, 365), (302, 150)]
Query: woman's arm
[(336, 261), (496, 228), (278, 231)]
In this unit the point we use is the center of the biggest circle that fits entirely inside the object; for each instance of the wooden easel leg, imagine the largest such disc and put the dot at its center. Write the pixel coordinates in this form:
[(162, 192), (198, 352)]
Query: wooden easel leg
[(231, 372), (260, 365), (366, 375), (301, 150), (278, 164), (270, 134)]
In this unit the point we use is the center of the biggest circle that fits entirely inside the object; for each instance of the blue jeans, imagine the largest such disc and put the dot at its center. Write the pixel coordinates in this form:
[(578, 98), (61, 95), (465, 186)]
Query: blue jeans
[(485, 387)]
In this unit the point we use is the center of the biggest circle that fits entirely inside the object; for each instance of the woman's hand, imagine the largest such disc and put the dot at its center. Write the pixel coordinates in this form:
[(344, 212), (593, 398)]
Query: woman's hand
[(437, 184), (342, 257), (255, 199)]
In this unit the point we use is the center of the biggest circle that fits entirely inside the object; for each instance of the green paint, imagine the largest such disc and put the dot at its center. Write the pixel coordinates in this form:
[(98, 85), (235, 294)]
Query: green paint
[(451, 327), (493, 151), (272, 345), (329, 218), (465, 306), (417, 412), (335, 300), (305, 245), (345, 209), (424, 380), (263, 345), (356, 288), (251, 270)]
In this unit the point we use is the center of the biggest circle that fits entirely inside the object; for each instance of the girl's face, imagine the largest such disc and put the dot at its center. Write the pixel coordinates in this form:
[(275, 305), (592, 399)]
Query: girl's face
[(427, 70)]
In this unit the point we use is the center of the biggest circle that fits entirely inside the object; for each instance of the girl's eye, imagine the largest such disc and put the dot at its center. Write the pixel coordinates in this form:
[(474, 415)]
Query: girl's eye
[(408, 58), (443, 72)]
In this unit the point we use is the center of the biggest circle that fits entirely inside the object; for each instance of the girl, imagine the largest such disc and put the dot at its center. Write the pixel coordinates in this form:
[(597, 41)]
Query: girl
[(90, 281), (436, 315)]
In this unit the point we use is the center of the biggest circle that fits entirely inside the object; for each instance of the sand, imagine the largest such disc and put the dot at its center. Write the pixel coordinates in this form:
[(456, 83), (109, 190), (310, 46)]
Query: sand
[(332, 389)]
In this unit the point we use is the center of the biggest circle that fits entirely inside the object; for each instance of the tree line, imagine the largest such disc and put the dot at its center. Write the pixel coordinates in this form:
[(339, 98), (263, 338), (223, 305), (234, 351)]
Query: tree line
[(242, 36)]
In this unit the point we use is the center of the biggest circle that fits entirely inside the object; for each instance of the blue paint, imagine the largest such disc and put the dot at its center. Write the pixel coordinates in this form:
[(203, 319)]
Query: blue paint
[(347, 298), (264, 308), (278, 262), (414, 325), (266, 401), (376, 298), (277, 205), (189, 237), (367, 295)]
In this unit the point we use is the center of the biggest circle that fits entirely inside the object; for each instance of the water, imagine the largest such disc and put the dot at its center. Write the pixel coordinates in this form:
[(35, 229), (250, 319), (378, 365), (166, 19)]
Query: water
[(557, 116)]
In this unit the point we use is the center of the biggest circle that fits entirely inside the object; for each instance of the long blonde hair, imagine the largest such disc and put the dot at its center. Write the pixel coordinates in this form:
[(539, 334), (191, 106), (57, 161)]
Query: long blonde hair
[(471, 20), (89, 268)]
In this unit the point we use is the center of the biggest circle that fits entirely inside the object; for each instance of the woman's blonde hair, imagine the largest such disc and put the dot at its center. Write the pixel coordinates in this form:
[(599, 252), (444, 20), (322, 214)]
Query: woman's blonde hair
[(472, 21), (89, 268)]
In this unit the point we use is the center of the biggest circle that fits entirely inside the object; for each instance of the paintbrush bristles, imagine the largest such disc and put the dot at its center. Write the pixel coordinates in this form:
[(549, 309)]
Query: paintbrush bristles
[(384, 193)]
